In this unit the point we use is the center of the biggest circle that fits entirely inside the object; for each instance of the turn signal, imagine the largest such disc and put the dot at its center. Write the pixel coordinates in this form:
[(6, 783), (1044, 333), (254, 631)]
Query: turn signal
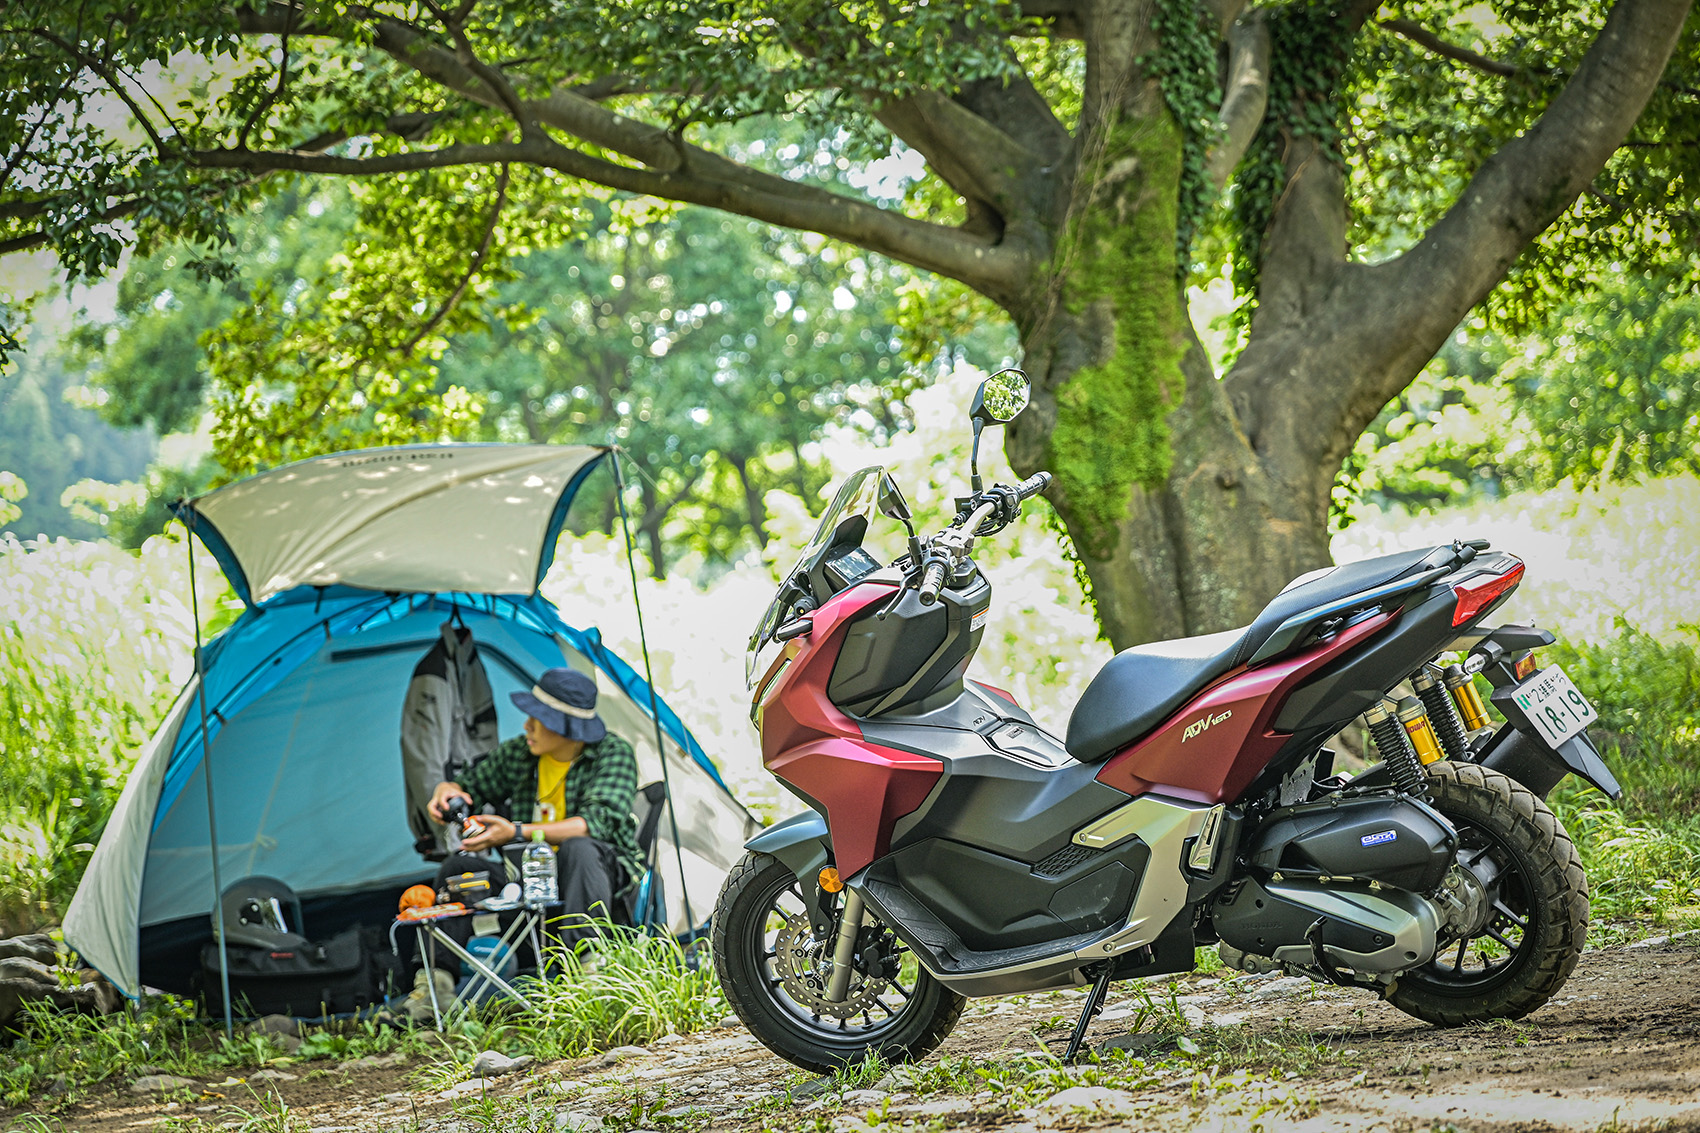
[(830, 882), (1477, 594)]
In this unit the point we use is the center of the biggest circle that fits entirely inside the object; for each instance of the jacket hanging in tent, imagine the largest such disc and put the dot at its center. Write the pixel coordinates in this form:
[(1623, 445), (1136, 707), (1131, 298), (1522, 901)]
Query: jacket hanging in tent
[(448, 719)]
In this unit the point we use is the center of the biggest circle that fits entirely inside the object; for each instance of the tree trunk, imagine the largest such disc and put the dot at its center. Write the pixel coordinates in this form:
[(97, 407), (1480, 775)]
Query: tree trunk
[(753, 502), (1181, 526)]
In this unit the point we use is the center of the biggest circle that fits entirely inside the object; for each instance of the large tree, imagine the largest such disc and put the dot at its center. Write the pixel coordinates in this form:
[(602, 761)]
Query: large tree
[(1371, 178)]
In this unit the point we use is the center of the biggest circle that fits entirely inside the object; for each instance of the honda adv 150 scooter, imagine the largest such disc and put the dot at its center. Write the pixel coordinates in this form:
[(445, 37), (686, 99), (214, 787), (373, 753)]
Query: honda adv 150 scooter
[(952, 847)]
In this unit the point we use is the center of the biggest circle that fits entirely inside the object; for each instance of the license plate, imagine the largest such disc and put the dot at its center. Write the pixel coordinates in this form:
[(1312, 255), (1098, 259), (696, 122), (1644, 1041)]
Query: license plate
[(1554, 705)]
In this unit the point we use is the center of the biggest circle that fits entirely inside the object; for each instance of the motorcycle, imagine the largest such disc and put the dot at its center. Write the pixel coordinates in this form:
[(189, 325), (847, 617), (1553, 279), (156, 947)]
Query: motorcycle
[(953, 848)]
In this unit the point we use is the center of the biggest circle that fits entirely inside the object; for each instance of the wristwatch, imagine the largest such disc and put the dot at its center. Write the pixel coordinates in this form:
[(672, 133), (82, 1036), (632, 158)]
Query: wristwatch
[(519, 831)]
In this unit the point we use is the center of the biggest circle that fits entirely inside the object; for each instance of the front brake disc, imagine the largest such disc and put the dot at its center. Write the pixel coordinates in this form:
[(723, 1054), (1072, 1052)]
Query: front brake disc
[(803, 967)]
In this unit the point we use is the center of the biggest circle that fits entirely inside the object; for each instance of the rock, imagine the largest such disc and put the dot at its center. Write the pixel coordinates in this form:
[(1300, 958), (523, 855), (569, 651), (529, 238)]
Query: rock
[(731, 1022), (621, 1054), (35, 982), (38, 947), (289, 1044), (26, 968), (571, 1121), (273, 1025), (472, 1086), (1099, 1098), (865, 1097), (493, 1064), (272, 1076), (1140, 1042), (812, 1089), (159, 1083), (1286, 985)]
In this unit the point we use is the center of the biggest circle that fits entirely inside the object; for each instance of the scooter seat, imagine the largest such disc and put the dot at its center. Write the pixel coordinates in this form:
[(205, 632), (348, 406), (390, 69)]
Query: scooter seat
[(1142, 686)]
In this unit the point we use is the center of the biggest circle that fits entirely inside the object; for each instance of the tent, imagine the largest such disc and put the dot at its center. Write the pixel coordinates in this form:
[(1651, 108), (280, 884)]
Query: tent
[(349, 566)]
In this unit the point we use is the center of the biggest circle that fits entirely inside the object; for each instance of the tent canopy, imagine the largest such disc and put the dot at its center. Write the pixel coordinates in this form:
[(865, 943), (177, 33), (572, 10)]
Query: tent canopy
[(304, 695), (479, 518)]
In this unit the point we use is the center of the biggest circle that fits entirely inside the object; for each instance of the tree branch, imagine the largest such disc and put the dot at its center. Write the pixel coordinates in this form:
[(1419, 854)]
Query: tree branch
[(472, 266), (111, 80), (683, 172), (1426, 39), (973, 156), (1319, 382), (977, 262), (1246, 99)]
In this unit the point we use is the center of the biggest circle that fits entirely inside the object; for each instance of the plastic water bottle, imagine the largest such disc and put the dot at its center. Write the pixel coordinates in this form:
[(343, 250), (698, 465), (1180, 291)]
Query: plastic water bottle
[(537, 872)]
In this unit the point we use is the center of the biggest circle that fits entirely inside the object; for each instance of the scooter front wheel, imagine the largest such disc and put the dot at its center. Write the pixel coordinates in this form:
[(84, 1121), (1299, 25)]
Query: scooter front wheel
[(773, 972)]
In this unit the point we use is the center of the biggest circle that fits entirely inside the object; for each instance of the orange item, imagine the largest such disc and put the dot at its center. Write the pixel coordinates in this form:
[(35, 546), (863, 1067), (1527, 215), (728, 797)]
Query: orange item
[(417, 897), (432, 912)]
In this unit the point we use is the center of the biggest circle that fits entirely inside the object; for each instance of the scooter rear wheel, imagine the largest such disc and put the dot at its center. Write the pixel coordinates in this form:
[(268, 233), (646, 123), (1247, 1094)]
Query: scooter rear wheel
[(762, 951), (1539, 918)]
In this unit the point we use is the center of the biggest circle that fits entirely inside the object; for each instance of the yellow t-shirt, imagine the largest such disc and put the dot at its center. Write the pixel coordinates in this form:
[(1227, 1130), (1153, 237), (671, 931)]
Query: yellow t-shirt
[(551, 790)]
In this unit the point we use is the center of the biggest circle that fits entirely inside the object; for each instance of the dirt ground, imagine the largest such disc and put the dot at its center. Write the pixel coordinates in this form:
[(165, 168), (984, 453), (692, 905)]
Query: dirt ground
[(1616, 1050)]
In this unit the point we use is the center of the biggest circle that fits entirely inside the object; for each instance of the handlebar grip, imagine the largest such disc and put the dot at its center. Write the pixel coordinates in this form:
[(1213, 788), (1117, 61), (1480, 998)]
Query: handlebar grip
[(931, 583), (1033, 485)]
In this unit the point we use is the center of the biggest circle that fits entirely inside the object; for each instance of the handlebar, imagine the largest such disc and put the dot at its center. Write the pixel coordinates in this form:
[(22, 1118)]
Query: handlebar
[(932, 582), (1033, 485)]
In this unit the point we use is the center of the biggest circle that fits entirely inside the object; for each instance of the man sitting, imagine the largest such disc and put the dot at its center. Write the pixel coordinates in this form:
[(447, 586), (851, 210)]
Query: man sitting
[(571, 780)]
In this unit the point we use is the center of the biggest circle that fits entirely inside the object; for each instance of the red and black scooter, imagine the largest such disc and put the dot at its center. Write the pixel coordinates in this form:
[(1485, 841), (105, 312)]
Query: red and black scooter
[(954, 848)]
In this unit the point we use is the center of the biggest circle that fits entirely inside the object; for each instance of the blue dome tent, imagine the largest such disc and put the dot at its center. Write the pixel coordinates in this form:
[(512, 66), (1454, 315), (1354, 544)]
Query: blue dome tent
[(349, 565)]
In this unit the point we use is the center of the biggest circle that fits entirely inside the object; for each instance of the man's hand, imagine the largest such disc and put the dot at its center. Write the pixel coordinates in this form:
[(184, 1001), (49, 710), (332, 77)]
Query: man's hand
[(498, 831), (440, 799)]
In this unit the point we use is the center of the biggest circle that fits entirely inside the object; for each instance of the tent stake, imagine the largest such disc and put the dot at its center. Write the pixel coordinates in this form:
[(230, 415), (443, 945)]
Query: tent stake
[(654, 709), (207, 775)]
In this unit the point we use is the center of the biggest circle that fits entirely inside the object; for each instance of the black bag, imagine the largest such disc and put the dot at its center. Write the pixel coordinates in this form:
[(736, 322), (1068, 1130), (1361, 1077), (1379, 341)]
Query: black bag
[(352, 970)]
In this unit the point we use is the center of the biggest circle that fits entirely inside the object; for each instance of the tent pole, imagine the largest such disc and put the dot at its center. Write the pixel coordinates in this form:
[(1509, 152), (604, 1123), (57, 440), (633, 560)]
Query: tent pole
[(649, 675), (207, 776)]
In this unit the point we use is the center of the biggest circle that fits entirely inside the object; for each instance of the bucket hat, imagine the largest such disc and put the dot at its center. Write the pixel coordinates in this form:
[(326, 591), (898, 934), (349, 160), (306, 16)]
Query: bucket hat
[(564, 701)]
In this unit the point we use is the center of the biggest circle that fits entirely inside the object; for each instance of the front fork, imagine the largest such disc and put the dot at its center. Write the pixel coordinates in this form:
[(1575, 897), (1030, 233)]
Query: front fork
[(844, 947)]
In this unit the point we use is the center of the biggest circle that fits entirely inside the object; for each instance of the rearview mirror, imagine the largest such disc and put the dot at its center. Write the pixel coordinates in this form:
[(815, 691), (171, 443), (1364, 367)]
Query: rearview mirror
[(998, 401), (1000, 398), (891, 502)]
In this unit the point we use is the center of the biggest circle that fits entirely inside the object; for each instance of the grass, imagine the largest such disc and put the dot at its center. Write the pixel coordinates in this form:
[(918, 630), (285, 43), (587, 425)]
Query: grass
[(639, 990)]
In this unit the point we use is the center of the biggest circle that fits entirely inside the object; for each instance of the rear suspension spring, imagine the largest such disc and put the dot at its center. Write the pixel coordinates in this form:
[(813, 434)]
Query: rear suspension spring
[(1442, 714), (1396, 751)]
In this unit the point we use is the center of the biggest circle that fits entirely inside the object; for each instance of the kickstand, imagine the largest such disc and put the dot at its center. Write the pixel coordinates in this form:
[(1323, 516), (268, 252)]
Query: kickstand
[(1094, 1004)]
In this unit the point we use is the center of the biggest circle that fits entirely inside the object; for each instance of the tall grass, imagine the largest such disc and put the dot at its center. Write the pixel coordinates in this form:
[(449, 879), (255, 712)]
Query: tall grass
[(94, 642), (636, 989)]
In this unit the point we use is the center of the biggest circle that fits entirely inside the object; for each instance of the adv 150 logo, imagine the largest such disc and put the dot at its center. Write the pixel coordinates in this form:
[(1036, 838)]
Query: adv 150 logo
[(1198, 726)]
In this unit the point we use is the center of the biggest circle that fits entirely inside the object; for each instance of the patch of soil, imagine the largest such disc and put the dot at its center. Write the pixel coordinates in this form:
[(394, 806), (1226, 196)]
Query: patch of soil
[(1616, 1049)]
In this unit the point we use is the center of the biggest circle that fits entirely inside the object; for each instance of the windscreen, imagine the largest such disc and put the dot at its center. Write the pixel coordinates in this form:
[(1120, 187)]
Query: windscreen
[(856, 496)]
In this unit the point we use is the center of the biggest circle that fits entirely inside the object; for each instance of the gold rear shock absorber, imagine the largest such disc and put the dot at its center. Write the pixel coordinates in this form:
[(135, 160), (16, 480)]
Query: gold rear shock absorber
[(1394, 744), (1462, 686), (1442, 717), (1413, 717)]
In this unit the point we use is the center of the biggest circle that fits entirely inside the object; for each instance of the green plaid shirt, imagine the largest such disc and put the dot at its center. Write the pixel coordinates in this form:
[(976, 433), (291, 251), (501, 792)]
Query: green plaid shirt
[(600, 788)]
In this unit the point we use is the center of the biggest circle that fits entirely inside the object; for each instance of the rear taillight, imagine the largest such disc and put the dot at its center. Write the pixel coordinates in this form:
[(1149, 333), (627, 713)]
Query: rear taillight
[(1477, 594)]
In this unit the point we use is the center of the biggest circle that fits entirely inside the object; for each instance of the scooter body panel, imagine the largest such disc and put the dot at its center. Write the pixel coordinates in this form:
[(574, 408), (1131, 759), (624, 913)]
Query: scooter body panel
[(1219, 742)]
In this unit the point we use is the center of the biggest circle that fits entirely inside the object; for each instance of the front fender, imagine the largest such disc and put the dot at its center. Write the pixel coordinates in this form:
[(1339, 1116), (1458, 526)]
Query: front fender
[(803, 845), (801, 842)]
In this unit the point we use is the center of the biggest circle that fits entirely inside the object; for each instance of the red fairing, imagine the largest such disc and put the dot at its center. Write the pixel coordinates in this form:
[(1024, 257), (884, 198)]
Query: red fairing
[(1214, 747), (807, 742), (865, 788)]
